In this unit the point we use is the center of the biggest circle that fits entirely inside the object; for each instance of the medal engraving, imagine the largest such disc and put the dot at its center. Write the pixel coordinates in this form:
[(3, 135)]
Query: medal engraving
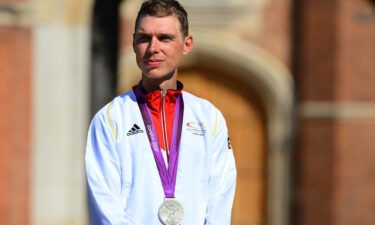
[(171, 212)]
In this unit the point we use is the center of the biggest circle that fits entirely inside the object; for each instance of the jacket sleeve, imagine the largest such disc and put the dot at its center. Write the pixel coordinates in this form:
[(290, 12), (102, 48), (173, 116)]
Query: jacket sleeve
[(222, 182), (103, 172)]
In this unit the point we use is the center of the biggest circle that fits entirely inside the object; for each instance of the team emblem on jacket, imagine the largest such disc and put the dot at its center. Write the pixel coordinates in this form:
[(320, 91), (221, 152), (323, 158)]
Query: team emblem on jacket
[(196, 128), (229, 144), (135, 130)]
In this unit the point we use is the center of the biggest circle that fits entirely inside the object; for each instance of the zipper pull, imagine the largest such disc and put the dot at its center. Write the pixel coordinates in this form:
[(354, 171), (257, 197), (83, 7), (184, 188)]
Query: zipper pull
[(163, 93)]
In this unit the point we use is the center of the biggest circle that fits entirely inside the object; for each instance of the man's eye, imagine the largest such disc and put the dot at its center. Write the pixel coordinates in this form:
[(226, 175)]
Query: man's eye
[(165, 38), (143, 39)]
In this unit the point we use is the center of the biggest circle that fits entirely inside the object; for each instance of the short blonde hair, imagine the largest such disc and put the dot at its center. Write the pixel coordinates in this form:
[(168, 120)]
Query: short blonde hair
[(162, 8)]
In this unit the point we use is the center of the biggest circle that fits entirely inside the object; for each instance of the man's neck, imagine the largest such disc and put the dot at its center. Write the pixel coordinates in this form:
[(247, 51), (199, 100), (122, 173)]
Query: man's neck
[(150, 84)]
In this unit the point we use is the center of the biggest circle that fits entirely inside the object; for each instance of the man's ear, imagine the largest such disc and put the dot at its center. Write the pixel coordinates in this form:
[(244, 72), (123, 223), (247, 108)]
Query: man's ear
[(133, 42), (188, 46)]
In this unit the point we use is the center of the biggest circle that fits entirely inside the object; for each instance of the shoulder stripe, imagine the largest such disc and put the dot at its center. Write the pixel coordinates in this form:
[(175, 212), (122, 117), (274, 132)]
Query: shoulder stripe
[(215, 126), (110, 121)]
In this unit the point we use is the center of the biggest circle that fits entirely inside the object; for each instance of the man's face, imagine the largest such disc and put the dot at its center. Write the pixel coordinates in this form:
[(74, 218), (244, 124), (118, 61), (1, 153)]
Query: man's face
[(159, 45)]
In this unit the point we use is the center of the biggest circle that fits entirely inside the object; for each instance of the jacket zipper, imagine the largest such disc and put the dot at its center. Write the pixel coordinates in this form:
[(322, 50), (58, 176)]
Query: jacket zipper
[(164, 122)]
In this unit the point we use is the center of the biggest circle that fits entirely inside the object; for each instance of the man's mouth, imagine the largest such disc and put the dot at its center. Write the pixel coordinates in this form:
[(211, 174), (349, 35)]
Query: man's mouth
[(153, 62)]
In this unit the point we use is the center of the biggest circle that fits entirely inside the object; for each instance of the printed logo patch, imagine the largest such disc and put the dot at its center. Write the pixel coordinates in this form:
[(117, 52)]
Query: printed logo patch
[(196, 128), (229, 144), (135, 130)]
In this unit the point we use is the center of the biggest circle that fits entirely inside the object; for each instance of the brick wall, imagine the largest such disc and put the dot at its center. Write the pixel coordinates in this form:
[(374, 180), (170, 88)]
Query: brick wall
[(334, 166), (15, 72), (356, 51)]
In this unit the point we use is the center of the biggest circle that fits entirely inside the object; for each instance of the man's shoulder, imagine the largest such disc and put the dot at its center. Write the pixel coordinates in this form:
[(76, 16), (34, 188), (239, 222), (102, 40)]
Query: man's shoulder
[(191, 98), (118, 104), (198, 103), (205, 111), (125, 97)]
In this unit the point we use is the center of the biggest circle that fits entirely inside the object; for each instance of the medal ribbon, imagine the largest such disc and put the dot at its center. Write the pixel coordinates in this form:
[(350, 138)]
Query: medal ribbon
[(167, 177)]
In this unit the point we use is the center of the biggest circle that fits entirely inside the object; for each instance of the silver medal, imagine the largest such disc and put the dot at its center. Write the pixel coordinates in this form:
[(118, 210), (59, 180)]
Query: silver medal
[(171, 212)]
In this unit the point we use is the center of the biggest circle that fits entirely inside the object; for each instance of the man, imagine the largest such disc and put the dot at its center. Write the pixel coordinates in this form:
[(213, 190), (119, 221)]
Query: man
[(157, 154)]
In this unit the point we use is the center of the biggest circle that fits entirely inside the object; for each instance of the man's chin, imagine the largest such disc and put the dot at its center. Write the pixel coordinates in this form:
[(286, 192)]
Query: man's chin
[(154, 76), (158, 75)]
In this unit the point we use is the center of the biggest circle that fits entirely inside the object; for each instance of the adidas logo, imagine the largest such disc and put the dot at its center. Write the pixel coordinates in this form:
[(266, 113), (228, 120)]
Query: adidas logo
[(135, 130)]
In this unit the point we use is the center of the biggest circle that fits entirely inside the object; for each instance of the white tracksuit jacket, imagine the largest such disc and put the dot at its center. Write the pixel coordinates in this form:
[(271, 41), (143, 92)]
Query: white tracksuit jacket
[(124, 186)]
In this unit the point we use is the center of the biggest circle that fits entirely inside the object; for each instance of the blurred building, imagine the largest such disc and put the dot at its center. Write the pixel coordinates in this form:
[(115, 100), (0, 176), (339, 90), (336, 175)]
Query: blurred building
[(294, 79)]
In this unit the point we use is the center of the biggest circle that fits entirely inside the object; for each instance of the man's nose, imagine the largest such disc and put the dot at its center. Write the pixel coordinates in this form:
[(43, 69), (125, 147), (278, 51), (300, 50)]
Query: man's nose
[(154, 45)]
